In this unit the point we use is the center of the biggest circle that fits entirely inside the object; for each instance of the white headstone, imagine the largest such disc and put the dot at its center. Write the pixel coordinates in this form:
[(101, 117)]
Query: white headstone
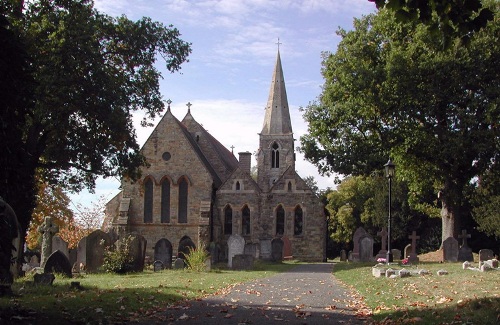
[(236, 245)]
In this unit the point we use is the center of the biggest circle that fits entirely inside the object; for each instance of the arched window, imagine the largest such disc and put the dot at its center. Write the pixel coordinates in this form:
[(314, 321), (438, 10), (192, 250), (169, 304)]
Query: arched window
[(165, 201), (289, 186), (238, 186), (228, 220), (298, 221), (280, 220), (245, 220), (148, 201), (183, 200), (275, 156)]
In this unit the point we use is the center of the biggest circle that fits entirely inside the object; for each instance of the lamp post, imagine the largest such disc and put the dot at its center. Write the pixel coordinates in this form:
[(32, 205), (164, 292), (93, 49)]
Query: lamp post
[(390, 170)]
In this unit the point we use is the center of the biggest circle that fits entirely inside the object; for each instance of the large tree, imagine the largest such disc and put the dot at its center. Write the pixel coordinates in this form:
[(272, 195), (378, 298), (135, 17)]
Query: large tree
[(90, 72), (392, 91)]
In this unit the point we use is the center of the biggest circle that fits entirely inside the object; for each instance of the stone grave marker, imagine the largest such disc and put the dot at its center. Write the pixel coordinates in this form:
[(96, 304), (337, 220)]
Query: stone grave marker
[(252, 249), (287, 247), (382, 253), (179, 263), (413, 257), (235, 245), (242, 262), (185, 245), (163, 252), (465, 252), (44, 278), (10, 246), (366, 248), (58, 263), (158, 266), (91, 250), (396, 254), (58, 244), (484, 255), (360, 232), (137, 252), (407, 251), (343, 255), (265, 249), (34, 261), (450, 250), (48, 229), (277, 249)]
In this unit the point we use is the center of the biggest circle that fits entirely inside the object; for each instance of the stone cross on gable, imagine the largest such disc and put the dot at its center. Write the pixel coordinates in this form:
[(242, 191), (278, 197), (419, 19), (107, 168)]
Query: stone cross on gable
[(232, 149), (189, 106), (464, 237), (413, 238), (279, 43), (383, 236), (48, 229)]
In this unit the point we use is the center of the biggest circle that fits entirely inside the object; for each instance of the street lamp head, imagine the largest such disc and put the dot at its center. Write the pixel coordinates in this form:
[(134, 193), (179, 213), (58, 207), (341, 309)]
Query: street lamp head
[(390, 169)]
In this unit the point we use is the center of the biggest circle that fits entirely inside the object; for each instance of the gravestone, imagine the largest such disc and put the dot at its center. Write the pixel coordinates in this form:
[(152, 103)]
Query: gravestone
[(382, 253), (277, 249), (343, 255), (48, 229), (44, 278), (163, 252), (10, 246), (235, 245), (242, 262), (58, 263), (179, 263), (137, 252), (265, 249), (287, 247), (412, 257), (91, 250), (358, 234), (396, 254), (34, 261), (485, 254), (407, 251), (450, 250), (252, 249), (366, 248), (465, 252), (158, 266), (58, 244), (185, 246)]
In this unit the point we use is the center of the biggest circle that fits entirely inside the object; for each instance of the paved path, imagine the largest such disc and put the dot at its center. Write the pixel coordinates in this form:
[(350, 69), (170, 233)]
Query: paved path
[(307, 294)]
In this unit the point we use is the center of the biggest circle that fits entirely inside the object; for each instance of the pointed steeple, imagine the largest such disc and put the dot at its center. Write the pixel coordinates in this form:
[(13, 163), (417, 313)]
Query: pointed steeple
[(277, 119)]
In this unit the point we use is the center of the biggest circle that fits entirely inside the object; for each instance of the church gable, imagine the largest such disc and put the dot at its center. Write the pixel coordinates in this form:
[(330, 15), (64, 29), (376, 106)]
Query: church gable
[(239, 182)]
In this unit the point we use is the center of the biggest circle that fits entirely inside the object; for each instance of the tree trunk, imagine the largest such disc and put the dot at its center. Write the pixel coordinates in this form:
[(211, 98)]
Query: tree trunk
[(450, 216)]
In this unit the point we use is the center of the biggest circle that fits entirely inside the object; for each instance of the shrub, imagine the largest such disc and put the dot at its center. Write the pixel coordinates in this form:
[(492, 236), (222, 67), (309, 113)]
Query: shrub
[(117, 258), (196, 258)]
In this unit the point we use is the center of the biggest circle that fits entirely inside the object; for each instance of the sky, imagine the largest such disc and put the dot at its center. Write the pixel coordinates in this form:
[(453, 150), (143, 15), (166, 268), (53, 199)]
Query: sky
[(228, 76)]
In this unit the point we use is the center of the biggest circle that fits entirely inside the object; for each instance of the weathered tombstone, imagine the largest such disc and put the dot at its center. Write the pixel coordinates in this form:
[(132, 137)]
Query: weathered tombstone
[(58, 244), (287, 247), (407, 251), (349, 256), (484, 255), (382, 253), (343, 255), (236, 245), (450, 250), (366, 248), (465, 252), (10, 246), (34, 261), (179, 263), (265, 249), (413, 258), (91, 250), (163, 252), (396, 254), (137, 252), (360, 232), (48, 229), (158, 266), (185, 246), (252, 249), (242, 262), (58, 263), (44, 278), (277, 249)]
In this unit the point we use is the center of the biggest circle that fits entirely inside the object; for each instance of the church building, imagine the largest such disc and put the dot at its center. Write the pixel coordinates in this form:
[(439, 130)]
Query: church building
[(195, 192)]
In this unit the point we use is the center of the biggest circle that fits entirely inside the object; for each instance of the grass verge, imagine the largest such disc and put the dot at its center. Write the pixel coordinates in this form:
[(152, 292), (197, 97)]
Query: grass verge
[(461, 297), (111, 298)]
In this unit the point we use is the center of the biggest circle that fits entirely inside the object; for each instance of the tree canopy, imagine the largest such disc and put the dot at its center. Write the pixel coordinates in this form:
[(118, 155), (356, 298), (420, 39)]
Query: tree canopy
[(76, 77), (391, 91)]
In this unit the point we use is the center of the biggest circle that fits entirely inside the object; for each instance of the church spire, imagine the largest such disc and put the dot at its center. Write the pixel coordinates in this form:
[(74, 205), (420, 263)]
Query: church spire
[(277, 119)]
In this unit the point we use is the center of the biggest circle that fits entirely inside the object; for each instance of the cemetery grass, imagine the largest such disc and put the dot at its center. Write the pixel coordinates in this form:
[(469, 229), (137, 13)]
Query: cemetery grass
[(461, 297), (106, 298)]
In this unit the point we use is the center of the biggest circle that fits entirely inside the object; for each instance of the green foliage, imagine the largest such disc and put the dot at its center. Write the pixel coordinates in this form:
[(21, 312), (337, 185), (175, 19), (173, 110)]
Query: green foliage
[(486, 202), (196, 259), (391, 91), (117, 258)]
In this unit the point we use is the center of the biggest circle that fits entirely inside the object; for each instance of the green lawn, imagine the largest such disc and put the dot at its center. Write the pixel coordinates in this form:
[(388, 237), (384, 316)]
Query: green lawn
[(461, 297), (113, 298)]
